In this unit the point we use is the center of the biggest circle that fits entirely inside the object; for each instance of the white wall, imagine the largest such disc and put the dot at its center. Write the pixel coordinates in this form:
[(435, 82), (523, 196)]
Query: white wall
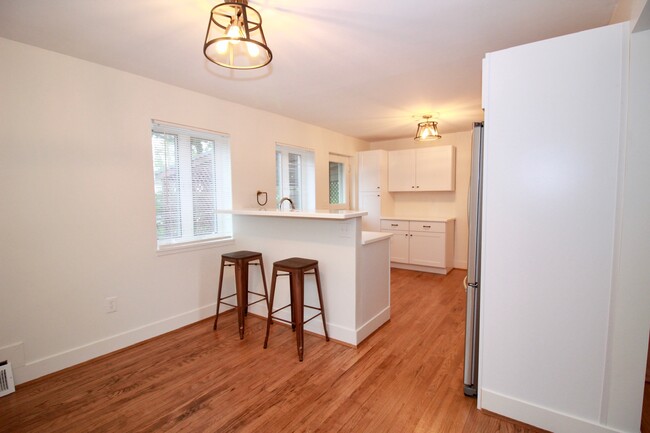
[(78, 218), (630, 308), (447, 204), (565, 229)]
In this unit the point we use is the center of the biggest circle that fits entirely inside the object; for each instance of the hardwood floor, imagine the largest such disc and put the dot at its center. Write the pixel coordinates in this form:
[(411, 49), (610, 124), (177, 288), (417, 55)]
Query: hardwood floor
[(407, 377)]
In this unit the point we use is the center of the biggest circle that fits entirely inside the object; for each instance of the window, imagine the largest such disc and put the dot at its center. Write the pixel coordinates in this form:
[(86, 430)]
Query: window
[(295, 177), (191, 181), (339, 182)]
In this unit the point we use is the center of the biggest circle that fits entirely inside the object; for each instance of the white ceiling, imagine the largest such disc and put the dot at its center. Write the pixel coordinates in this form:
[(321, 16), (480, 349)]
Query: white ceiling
[(359, 67)]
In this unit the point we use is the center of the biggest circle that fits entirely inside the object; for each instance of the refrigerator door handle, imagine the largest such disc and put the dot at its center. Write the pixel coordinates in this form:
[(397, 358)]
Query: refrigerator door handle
[(465, 283)]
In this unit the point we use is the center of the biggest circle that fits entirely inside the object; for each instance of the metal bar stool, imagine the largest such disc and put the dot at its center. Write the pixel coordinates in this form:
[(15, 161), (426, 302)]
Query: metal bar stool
[(296, 268), (240, 260)]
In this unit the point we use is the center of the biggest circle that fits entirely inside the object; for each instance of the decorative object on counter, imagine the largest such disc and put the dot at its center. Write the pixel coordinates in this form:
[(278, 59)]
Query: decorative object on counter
[(235, 38), (240, 260), (265, 198), (427, 130), (296, 268)]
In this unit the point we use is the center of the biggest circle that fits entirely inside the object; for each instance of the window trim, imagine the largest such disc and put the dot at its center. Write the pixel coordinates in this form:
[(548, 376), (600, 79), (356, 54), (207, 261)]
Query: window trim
[(345, 160), (166, 249), (222, 237), (307, 173)]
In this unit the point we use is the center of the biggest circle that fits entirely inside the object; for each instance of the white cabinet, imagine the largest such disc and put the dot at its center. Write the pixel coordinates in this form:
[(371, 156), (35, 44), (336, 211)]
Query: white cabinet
[(427, 243), (399, 242), (426, 169), (427, 249), (370, 201), (401, 170), (421, 245), (373, 182), (372, 169)]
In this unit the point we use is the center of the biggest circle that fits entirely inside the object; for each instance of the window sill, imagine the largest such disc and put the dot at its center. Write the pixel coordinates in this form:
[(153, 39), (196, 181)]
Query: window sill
[(164, 250)]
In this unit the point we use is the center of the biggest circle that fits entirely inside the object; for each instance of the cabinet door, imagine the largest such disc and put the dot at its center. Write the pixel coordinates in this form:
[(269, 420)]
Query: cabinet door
[(427, 249), (401, 170), (435, 169), (370, 201), (371, 165), (399, 247)]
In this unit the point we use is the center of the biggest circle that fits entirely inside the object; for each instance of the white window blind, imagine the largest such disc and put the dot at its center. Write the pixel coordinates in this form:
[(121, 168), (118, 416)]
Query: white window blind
[(295, 176), (192, 179)]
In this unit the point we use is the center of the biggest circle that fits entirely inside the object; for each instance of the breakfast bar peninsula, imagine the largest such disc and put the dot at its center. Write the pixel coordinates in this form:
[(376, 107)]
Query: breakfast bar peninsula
[(354, 265)]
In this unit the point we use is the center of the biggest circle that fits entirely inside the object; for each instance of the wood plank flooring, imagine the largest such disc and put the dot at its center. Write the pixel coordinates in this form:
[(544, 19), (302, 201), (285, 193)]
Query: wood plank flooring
[(407, 377)]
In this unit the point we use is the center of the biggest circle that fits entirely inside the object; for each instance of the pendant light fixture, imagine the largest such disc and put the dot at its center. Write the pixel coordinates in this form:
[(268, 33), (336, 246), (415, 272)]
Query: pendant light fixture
[(235, 38), (427, 130)]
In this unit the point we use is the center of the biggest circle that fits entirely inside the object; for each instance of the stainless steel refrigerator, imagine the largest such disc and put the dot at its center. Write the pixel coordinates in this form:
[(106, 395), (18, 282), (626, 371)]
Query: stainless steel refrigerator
[(472, 281)]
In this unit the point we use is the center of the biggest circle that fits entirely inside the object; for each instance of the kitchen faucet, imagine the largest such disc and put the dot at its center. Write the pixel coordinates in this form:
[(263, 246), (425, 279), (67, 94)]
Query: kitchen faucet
[(290, 203)]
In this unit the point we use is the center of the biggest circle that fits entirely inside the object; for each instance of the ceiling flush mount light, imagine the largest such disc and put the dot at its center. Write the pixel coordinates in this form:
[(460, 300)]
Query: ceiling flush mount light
[(427, 130), (235, 38)]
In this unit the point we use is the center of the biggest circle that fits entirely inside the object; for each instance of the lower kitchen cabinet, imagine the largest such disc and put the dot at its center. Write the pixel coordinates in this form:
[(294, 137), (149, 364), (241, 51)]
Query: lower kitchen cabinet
[(400, 241), (421, 245)]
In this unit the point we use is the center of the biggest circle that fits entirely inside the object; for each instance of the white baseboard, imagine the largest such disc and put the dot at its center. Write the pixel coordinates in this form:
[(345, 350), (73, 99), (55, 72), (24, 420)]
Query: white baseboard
[(50, 364), (539, 416), (14, 353), (40, 367), (373, 324), (348, 335), (420, 268), (336, 332)]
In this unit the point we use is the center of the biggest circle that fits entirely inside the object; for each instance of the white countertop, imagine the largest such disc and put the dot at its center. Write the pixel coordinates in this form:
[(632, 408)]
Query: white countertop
[(408, 218), (318, 214), (370, 237)]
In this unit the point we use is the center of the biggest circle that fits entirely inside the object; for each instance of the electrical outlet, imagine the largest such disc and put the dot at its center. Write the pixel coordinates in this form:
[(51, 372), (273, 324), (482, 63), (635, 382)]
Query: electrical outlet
[(344, 230), (111, 304)]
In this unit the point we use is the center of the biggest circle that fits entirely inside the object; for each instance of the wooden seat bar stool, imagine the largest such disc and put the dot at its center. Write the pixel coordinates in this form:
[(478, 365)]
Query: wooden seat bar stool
[(240, 260), (296, 268)]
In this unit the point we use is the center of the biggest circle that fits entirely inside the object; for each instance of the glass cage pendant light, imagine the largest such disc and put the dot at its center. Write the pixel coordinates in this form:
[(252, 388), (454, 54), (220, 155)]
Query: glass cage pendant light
[(427, 130), (235, 38)]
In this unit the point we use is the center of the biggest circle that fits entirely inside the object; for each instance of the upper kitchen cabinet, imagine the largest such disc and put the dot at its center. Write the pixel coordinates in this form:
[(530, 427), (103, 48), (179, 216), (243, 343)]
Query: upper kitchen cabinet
[(425, 169), (372, 170)]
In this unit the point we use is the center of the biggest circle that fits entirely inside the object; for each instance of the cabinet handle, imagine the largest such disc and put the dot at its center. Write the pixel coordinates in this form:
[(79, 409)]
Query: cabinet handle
[(418, 186), (378, 195), (377, 187), (394, 225), (427, 227)]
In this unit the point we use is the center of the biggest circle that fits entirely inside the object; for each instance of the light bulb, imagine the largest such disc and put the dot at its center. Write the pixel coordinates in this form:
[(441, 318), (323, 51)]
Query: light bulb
[(425, 133), (253, 49), (234, 32), (222, 47)]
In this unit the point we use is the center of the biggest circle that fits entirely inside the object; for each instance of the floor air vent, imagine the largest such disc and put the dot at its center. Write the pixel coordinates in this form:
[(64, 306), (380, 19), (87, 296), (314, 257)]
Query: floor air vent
[(6, 379)]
